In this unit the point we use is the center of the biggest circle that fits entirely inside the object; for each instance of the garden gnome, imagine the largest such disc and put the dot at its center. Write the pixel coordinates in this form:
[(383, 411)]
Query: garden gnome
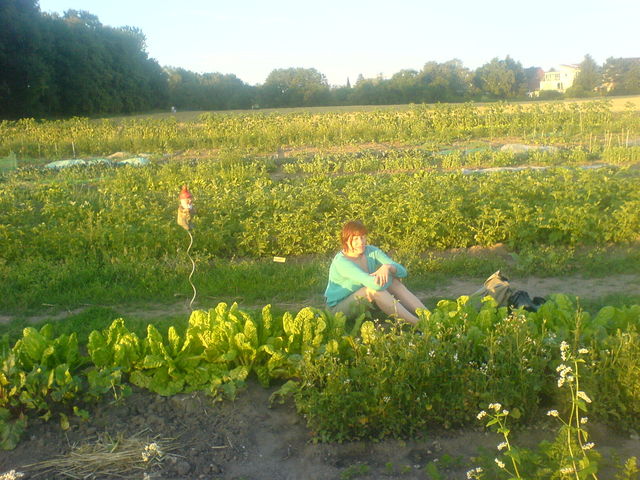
[(185, 210)]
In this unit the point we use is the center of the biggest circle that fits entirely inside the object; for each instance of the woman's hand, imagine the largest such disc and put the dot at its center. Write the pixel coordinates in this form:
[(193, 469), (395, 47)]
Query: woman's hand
[(383, 274)]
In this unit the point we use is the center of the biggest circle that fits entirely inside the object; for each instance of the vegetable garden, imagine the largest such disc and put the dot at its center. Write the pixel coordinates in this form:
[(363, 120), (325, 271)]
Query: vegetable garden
[(427, 180)]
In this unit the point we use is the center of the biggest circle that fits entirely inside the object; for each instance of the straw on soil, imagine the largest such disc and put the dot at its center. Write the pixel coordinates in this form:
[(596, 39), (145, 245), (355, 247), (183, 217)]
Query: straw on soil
[(106, 456)]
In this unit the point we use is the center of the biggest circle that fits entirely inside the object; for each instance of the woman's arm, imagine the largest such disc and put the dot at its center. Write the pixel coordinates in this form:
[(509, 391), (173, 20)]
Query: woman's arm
[(347, 269), (382, 259)]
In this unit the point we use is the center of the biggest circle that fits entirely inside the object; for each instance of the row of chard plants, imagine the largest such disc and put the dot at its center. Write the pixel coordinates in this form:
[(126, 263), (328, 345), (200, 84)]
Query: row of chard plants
[(350, 379)]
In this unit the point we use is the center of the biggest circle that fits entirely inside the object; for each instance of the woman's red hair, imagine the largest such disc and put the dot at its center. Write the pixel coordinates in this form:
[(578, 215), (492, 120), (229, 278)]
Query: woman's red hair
[(350, 229)]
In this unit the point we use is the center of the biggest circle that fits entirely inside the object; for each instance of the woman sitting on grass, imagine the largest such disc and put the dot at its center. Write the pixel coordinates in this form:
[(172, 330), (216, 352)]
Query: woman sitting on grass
[(362, 274)]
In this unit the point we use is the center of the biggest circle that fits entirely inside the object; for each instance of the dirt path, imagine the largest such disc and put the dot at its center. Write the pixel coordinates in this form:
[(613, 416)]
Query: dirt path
[(584, 288)]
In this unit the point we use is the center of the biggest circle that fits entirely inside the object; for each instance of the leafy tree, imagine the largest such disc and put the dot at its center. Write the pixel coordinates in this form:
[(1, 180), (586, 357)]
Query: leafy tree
[(371, 91), (73, 65), (209, 91), (444, 82), (403, 87), (293, 87), (503, 79), (342, 95), (587, 80), (533, 76), (23, 70), (621, 76)]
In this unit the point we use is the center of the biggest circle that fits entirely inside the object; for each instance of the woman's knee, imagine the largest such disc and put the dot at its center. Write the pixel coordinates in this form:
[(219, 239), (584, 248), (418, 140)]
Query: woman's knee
[(396, 285), (372, 294)]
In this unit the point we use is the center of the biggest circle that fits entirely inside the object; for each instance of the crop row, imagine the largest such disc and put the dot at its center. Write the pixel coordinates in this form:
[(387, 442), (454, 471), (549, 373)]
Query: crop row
[(356, 380), (111, 215), (592, 123)]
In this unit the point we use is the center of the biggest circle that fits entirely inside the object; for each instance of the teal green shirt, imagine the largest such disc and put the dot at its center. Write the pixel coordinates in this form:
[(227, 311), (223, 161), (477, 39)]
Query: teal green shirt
[(345, 277)]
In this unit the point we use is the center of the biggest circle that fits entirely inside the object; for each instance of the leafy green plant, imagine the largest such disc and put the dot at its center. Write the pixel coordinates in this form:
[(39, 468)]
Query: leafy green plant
[(615, 373), (42, 371), (355, 471), (571, 455)]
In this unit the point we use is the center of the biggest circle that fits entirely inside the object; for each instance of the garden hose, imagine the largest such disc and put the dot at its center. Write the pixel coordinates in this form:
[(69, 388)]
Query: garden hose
[(185, 213), (193, 269)]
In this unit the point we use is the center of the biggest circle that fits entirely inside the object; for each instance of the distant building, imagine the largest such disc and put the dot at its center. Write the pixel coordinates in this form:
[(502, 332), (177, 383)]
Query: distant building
[(561, 79)]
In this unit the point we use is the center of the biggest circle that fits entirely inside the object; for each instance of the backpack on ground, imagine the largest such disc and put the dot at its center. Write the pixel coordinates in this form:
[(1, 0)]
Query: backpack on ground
[(497, 286)]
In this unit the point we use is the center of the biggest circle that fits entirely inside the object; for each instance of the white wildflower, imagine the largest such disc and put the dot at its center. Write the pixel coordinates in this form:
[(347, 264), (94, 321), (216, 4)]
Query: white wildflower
[(495, 407), (583, 396), (553, 413), (11, 475), (566, 470), (588, 446), (474, 472), (564, 348), (499, 463), (583, 351), (564, 374), (505, 412), (584, 420), (502, 446), (150, 451), (481, 415)]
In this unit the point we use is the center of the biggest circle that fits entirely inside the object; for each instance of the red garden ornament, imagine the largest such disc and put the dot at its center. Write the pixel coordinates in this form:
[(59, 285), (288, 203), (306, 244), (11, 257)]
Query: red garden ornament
[(185, 209)]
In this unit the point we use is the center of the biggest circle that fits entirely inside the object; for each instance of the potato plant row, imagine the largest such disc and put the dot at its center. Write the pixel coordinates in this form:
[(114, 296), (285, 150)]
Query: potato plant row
[(591, 123), (124, 215)]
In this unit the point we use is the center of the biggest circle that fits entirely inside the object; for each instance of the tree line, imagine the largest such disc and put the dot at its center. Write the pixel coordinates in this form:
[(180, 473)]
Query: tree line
[(61, 66), (73, 65)]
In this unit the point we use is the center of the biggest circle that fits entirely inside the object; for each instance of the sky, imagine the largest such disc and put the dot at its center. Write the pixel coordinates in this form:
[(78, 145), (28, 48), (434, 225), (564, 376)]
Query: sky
[(347, 38)]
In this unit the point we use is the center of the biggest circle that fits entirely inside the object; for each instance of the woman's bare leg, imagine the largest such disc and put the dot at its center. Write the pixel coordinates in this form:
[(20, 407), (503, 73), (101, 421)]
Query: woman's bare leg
[(405, 296), (353, 304), (390, 305)]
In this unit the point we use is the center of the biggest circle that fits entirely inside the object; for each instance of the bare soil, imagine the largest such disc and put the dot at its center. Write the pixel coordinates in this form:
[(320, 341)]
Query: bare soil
[(247, 439), (581, 287)]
